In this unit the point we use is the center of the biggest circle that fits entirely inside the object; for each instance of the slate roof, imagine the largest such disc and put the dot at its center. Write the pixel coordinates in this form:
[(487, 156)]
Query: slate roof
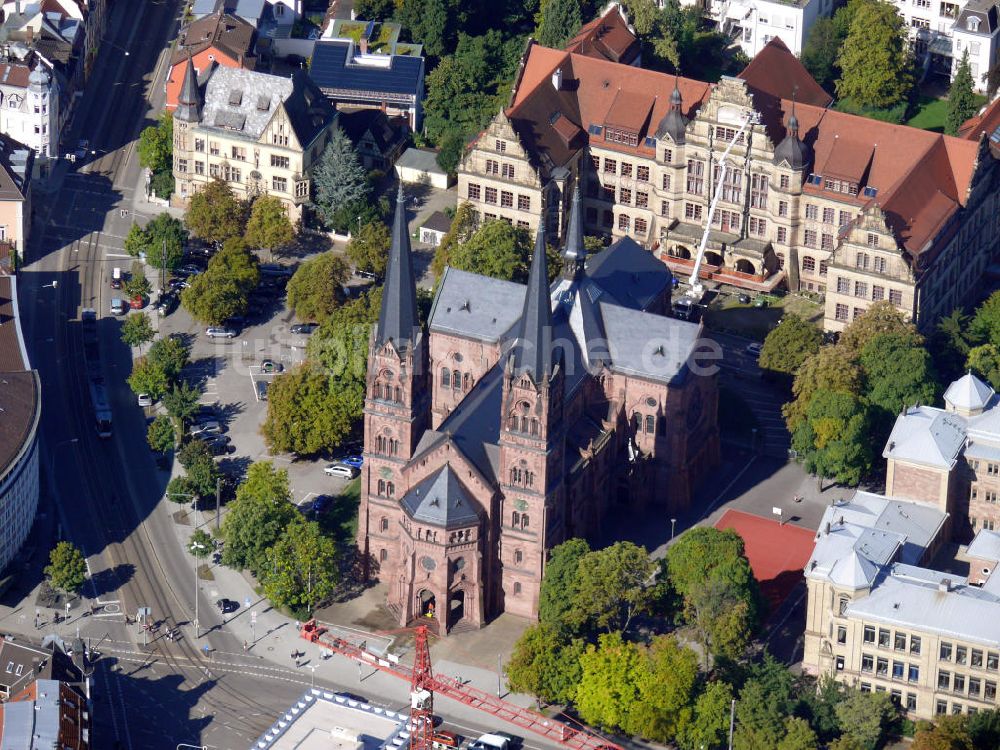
[(648, 345), (533, 351), (437, 222), (985, 546), (607, 37), (244, 114), (229, 34), (441, 500), (398, 321), (333, 69), (421, 159), (386, 133), (476, 307), (969, 393), (629, 273), (926, 435), (983, 10)]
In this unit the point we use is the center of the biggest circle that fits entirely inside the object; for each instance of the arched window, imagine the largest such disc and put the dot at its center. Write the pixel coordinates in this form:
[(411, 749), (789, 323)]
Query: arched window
[(390, 489), (466, 381), (524, 424), (384, 524), (529, 478), (518, 557), (517, 589), (808, 263), (398, 394), (534, 427), (381, 486), (383, 555), (515, 519), (524, 520), (842, 606), (456, 379), (445, 377), (650, 424)]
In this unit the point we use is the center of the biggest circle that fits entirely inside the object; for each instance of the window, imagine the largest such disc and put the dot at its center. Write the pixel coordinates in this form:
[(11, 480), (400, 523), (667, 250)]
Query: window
[(911, 701), (992, 469), (642, 173), (866, 687), (840, 663), (944, 680), (445, 377), (867, 662), (869, 634), (784, 181), (625, 196), (666, 182), (897, 670), (456, 380), (518, 557), (920, 23), (280, 162), (809, 238), (822, 268), (506, 199), (213, 148), (878, 293), (782, 235), (758, 191), (841, 312), (841, 634), (238, 153), (728, 134), (507, 170), (782, 208), (624, 222), (279, 184), (474, 191), (899, 642), (883, 638), (692, 211), (727, 221), (845, 218), (524, 203), (882, 667), (812, 211), (913, 673), (500, 145), (896, 297), (668, 156), (872, 240), (491, 195), (279, 139), (641, 199), (861, 290), (974, 687), (828, 216), (826, 242), (515, 519), (695, 176), (640, 227), (991, 661), (808, 264), (664, 208), (941, 707), (732, 184), (879, 264), (973, 24), (961, 655), (989, 690), (199, 167), (843, 285), (199, 144), (182, 165), (977, 658), (610, 166), (302, 189), (492, 166), (758, 227), (861, 261), (958, 684), (213, 170), (626, 169)]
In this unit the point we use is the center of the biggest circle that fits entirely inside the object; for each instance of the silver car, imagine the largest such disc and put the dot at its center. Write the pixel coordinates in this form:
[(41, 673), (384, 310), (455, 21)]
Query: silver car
[(205, 428), (220, 333)]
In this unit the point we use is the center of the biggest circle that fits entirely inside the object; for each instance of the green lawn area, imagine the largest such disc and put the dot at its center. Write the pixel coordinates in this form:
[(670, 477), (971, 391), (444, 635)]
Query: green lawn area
[(932, 112), (729, 316), (341, 520), (352, 31)]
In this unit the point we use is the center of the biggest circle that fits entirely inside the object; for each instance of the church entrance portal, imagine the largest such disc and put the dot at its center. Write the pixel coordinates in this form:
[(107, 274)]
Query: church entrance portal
[(427, 606), (456, 607)]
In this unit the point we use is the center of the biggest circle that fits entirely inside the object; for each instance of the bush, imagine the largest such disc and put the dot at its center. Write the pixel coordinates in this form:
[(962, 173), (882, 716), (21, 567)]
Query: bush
[(896, 114), (162, 183)]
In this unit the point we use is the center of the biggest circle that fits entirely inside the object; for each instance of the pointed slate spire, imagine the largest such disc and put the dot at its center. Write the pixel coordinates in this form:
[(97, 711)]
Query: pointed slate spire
[(398, 319), (533, 351), (574, 252), (189, 99), (793, 121), (673, 123)]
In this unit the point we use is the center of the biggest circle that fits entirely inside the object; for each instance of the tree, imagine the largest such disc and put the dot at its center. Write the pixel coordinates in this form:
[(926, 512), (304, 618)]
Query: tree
[(545, 664), (317, 287), (789, 344), (985, 325), (609, 682), (301, 567), (865, 716), (463, 225), (667, 683), (67, 568), (709, 724), (170, 354), (832, 368), (212, 300), (234, 262), (368, 250), (496, 249), (137, 285), (375, 10), (307, 413), (612, 587), (179, 491), (451, 149), (898, 372), (834, 440), (819, 55), (200, 544), (949, 345), (949, 733), (258, 517), (181, 403), (875, 63), (881, 317), (136, 241), (962, 102), (798, 735), (137, 330), (214, 214), (165, 238), (148, 378), (560, 584), (560, 22), (984, 361), (340, 181), (156, 145), (203, 473), (760, 715), (160, 434), (268, 226)]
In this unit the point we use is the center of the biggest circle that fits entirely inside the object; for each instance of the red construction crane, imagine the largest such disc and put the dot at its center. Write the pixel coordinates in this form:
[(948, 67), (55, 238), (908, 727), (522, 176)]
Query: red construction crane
[(423, 686)]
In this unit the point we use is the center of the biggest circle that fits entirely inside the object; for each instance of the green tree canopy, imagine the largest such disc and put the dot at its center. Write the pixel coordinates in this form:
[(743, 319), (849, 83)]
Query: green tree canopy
[(136, 241), (985, 325), (258, 517), (609, 682), (833, 368), (612, 587), (307, 412), (545, 664), (881, 317), (950, 343), (819, 54), (798, 735), (235, 261), (200, 544), (317, 288), (137, 330), (368, 250), (834, 440), (463, 224), (165, 238), (866, 717), (301, 568), (496, 249), (181, 403), (67, 568), (709, 724), (559, 23), (170, 354), (984, 361), (179, 491), (137, 285), (156, 145), (789, 344), (875, 62), (213, 300), (560, 584), (898, 372), (962, 103), (269, 227), (160, 434), (147, 377), (202, 471), (341, 183), (214, 214), (667, 682)]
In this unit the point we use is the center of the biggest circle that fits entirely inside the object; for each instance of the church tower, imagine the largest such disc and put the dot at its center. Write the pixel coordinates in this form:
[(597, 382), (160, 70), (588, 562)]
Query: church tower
[(396, 399), (186, 116), (531, 445)]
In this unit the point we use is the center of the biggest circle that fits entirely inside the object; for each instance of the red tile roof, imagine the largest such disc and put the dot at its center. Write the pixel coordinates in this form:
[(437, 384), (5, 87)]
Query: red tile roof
[(776, 72), (15, 74), (608, 37), (986, 121), (921, 177)]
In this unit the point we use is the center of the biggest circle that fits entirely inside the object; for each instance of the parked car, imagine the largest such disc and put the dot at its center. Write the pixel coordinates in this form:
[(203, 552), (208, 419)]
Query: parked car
[(269, 365), (227, 605), (304, 328), (118, 306), (218, 332), (144, 399), (213, 428), (356, 461), (189, 269), (442, 740), (273, 269), (320, 504), (262, 390), (116, 278), (178, 284), (754, 349), (166, 304), (341, 470), (744, 299), (210, 437), (219, 445), (137, 302)]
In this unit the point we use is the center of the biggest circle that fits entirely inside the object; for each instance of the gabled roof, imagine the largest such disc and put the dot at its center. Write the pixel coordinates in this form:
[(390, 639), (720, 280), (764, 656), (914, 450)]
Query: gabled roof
[(777, 73), (985, 546), (987, 122), (629, 273), (607, 37), (225, 32), (335, 66), (474, 306), (926, 435), (386, 132), (441, 500), (968, 393)]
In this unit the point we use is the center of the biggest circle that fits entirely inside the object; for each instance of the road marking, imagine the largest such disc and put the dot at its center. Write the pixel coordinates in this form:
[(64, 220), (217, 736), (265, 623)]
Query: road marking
[(306, 497)]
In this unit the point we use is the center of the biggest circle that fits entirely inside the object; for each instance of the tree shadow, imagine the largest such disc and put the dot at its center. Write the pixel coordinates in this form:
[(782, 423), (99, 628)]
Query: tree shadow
[(110, 579)]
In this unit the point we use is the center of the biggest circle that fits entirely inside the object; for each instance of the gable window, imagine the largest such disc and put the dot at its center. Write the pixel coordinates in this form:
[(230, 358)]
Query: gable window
[(492, 166), (973, 24), (507, 171), (501, 145), (281, 162)]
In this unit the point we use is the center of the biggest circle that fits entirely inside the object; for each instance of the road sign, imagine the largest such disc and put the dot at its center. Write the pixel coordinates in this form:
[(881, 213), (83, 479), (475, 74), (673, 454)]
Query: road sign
[(253, 617), (144, 611)]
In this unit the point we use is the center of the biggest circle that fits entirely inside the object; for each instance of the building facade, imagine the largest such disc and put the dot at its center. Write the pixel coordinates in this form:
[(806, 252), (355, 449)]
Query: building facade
[(29, 107), (754, 23), (259, 133), (809, 198), (519, 418)]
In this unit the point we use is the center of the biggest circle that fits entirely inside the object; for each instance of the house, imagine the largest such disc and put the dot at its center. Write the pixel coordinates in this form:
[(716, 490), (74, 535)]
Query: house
[(608, 37), (352, 76), (754, 23), (212, 40), (434, 229), (419, 166), (811, 199), (258, 132), (254, 12), (378, 140), (521, 416), (30, 108), (16, 170)]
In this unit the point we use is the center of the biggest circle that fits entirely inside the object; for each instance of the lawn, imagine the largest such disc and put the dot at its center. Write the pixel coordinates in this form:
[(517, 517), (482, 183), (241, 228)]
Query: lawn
[(728, 315), (932, 113)]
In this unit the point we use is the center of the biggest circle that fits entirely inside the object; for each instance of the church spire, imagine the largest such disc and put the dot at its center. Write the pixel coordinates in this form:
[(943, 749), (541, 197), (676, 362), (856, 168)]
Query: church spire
[(575, 253), (189, 99), (533, 349), (398, 318)]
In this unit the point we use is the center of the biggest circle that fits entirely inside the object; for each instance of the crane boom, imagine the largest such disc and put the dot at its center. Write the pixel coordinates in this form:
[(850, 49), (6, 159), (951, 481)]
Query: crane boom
[(423, 682)]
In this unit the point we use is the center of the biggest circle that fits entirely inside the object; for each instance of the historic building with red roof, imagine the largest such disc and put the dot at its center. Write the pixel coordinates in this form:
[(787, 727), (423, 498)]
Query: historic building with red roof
[(811, 199), (608, 37)]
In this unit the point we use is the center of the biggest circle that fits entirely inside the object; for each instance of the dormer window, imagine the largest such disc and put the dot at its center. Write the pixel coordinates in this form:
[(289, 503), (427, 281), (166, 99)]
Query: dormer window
[(616, 135), (973, 24)]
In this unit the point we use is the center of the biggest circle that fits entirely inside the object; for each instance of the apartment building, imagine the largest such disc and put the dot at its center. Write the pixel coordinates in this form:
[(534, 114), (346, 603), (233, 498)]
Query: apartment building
[(810, 198), (258, 132), (754, 23)]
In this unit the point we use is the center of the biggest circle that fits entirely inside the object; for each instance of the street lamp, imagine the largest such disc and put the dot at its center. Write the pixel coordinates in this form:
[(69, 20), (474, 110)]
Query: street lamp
[(196, 547), (673, 523)]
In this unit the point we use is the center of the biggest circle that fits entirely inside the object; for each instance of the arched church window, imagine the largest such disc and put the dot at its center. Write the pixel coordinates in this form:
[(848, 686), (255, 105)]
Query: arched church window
[(517, 589), (650, 424), (398, 394), (445, 377), (518, 557), (466, 381), (383, 555), (515, 519), (524, 520), (384, 524), (390, 489), (381, 486), (534, 427), (456, 379)]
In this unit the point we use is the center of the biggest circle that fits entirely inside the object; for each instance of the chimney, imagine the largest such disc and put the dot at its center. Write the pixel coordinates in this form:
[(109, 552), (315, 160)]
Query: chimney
[(557, 78), (828, 528), (944, 586), (363, 46)]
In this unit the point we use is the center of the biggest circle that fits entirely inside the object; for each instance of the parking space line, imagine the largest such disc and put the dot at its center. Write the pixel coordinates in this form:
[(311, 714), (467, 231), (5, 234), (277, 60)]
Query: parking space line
[(304, 498)]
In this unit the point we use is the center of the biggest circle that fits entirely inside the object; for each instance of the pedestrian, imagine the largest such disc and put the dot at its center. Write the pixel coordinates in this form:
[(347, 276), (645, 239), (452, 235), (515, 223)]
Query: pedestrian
[(245, 646)]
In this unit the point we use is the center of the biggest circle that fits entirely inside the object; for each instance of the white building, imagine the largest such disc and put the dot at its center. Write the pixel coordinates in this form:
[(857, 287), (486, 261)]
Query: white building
[(29, 107), (753, 23)]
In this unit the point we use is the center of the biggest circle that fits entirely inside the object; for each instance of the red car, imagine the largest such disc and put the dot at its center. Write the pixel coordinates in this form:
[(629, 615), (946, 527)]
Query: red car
[(138, 302)]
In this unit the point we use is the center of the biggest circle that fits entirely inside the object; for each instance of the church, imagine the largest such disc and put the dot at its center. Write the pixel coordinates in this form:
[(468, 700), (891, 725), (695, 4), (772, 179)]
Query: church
[(519, 417)]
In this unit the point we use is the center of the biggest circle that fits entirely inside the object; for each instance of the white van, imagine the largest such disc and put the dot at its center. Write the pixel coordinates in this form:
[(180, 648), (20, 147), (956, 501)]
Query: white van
[(491, 742), (118, 306), (116, 278)]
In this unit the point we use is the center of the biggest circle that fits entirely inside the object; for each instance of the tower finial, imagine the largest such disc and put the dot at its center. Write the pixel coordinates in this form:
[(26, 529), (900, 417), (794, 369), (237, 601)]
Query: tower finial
[(793, 121), (398, 319), (575, 253)]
